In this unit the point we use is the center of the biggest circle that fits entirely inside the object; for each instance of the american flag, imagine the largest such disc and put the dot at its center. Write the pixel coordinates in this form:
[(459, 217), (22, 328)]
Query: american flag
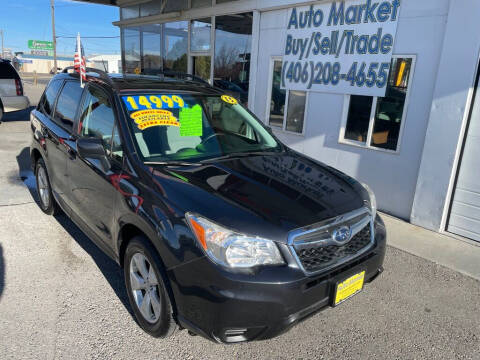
[(79, 61)]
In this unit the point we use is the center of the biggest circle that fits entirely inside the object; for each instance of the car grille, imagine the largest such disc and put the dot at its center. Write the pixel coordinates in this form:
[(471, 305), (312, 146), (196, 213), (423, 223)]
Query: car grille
[(319, 257)]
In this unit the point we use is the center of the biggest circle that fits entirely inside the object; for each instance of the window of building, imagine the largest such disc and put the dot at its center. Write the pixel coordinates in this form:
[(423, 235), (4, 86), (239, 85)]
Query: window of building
[(176, 5), (201, 33), (202, 66), (129, 12), (175, 46), (201, 3), (151, 8), (131, 49), (233, 43), (285, 109), (224, 1), (67, 104), (297, 101), (152, 58), (377, 122), (276, 110)]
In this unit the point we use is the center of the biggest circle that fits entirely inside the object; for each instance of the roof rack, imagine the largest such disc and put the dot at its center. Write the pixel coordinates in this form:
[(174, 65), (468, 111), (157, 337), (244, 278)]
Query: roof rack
[(102, 74)]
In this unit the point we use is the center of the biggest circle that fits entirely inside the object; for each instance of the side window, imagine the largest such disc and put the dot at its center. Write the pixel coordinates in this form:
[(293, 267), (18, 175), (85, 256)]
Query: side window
[(97, 118), (49, 97), (67, 104), (376, 122)]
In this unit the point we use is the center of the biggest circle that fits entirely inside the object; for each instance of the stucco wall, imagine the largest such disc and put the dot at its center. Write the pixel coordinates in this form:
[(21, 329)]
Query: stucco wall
[(393, 177)]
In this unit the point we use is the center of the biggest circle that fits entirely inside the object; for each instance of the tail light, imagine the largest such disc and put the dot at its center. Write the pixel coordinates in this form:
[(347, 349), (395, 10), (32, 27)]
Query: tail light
[(18, 85)]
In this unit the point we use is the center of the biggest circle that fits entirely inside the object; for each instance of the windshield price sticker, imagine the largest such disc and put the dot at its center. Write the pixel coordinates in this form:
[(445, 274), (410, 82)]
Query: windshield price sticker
[(191, 121), (146, 102), (148, 118), (342, 47)]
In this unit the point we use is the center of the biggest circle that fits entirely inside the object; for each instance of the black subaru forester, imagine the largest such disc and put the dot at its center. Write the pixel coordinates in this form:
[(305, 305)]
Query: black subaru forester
[(219, 227)]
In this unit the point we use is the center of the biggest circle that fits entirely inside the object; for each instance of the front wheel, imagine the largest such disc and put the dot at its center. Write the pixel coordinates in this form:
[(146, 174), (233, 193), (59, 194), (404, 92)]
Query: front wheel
[(147, 290)]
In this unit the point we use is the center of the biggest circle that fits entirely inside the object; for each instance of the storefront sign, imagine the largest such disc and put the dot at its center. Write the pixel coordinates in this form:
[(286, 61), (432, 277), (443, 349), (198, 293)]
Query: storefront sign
[(340, 47), (39, 52)]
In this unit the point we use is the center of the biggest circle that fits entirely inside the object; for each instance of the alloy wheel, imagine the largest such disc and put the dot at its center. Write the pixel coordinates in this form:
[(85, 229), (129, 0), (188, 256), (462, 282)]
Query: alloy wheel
[(144, 287), (43, 187)]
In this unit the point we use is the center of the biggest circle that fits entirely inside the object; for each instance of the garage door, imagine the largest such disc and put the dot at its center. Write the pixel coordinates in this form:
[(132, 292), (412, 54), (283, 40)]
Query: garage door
[(465, 211)]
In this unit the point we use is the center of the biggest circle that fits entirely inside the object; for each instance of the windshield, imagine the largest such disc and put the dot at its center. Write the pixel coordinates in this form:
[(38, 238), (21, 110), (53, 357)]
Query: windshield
[(186, 127)]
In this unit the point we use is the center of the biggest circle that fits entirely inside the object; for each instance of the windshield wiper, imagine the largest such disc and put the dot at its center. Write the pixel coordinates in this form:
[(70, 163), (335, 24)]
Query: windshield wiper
[(172, 163), (237, 155)]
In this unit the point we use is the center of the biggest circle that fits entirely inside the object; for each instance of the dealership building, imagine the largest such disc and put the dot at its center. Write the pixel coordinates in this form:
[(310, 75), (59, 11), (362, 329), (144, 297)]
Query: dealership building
[(409, 129)]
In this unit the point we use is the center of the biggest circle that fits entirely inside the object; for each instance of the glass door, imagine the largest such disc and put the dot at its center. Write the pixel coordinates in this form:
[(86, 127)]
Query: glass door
[(202, 67)]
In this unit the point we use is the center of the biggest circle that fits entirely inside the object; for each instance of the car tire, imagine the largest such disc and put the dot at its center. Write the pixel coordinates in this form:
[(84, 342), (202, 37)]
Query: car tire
[(145, 282), (44, 189)]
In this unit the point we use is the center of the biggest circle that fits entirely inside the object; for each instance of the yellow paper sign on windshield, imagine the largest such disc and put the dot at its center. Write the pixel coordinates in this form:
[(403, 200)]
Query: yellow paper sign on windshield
[(148, 118), (191, 121), (229, 99)]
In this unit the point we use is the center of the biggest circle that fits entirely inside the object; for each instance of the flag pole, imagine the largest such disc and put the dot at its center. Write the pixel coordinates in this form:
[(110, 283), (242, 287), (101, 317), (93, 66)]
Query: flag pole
[(80, 58)]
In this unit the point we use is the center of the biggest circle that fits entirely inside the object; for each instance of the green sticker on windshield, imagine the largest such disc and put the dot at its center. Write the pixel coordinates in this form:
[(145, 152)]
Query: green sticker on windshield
[(191, 121)]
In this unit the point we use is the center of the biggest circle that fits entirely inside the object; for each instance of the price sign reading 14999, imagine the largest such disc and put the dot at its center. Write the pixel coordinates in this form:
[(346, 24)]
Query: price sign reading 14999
[(144, 102)]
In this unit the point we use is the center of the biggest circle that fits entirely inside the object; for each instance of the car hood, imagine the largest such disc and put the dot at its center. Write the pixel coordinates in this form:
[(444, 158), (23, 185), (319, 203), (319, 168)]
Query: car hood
[(261, 195)]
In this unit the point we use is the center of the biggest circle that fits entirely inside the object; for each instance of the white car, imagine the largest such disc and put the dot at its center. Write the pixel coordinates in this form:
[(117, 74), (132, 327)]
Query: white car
[(11, 89)]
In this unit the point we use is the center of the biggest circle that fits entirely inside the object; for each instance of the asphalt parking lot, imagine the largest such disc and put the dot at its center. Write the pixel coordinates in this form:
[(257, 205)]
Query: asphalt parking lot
[(60, 297)]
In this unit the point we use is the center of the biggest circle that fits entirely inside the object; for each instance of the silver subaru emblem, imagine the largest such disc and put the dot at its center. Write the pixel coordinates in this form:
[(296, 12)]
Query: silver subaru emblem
[(342, 235)]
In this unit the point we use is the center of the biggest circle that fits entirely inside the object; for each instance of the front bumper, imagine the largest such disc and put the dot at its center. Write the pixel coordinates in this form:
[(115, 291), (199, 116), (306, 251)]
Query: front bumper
[(233, 307), (15, 103)]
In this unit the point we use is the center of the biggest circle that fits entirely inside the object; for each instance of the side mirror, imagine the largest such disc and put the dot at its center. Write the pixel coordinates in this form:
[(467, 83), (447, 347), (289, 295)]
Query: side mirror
[(92, 148)]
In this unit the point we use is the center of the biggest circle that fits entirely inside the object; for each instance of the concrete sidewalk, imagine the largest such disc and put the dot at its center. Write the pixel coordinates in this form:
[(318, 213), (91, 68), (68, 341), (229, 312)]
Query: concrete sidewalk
[(458, 254)]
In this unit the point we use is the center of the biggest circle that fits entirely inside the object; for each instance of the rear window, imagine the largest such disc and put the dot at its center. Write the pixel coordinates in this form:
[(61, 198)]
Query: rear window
[(67, 104), (7, 71)]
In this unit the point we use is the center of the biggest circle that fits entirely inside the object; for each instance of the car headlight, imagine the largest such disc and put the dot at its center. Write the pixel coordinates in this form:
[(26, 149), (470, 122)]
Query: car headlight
[(372, 201), (231, 249)]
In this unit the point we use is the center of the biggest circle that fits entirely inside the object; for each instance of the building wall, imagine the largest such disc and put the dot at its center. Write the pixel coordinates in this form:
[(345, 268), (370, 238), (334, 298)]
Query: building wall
[(393, 177), (449, 110), (43, 66), (112, 62)]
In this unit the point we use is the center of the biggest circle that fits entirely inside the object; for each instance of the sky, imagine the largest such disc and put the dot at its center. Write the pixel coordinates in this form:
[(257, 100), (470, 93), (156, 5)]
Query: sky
[(23, 20)]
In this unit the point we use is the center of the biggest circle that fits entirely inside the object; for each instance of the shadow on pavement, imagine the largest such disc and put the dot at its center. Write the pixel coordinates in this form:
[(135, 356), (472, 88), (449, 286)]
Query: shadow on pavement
[(2, 272), (109, 268), (25, 172)]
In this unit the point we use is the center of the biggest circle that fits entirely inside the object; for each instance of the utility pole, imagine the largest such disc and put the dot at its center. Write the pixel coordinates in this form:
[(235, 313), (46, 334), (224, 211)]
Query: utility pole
[(1, 32), (52, 4)]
